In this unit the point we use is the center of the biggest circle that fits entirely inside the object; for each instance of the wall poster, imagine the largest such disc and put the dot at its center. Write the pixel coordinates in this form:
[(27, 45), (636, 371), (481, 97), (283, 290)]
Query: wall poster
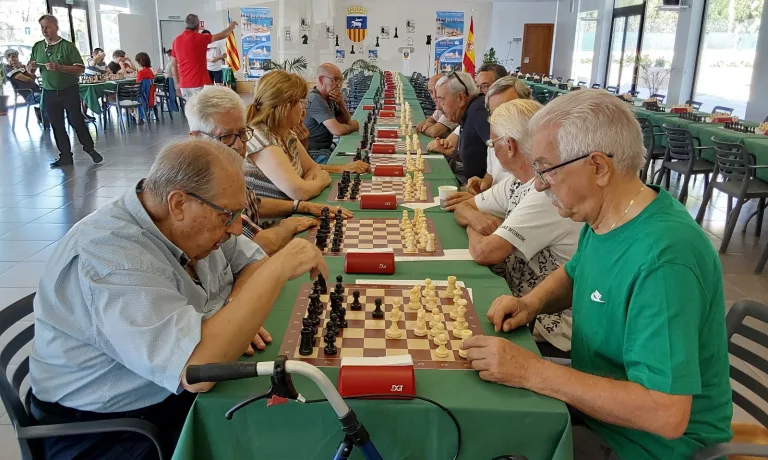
[(449, 42), (256, 26)]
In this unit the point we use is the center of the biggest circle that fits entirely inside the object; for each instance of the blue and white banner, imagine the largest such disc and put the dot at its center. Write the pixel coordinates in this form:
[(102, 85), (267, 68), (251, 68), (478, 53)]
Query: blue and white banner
[(449, 42), (256, 26)]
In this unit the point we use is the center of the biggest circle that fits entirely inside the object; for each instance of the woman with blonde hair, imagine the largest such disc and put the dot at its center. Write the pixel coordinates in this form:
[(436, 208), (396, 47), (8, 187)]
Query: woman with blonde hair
[(278, 165)]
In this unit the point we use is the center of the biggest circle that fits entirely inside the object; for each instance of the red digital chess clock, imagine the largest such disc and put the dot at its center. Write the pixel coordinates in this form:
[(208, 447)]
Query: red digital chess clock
[(387, 375), (383, 148), (367, 107), (384, 114), (389, 107), (386, 134), (378, 201), (389, 102), (389, 171), (370, 262)]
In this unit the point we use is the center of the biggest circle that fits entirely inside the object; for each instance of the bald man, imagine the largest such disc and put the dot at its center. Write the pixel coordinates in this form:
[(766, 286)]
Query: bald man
[(327, 113), (438, 125)]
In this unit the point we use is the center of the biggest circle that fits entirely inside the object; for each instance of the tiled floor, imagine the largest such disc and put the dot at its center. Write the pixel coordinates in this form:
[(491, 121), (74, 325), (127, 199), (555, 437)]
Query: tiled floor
[(38, 205)]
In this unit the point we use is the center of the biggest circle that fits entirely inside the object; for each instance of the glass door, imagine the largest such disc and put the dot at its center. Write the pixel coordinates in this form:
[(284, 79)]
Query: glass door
[(73, 25), (626, 37)]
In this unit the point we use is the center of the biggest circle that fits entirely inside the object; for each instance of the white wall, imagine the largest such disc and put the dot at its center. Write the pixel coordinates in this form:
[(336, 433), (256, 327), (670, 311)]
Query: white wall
[(507, 22)]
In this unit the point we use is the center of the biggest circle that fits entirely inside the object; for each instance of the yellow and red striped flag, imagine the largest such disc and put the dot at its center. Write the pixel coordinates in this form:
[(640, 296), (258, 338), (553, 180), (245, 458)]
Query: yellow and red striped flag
[(469, 54), (233, 56)]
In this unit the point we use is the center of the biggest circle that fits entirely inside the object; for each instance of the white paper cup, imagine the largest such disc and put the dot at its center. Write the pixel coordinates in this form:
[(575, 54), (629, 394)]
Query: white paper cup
[(444, 192)]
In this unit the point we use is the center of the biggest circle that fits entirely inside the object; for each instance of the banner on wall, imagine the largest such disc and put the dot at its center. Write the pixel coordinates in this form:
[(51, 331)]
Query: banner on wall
[(449, 42), (357, 23), (340, 54), (256, 26), (373, 55)]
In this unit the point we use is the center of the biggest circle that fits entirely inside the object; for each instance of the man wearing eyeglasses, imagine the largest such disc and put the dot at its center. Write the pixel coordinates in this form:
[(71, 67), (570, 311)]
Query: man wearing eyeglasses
[(464, 104), (649, 376), (327, 113), (437, 125), (155, 281)]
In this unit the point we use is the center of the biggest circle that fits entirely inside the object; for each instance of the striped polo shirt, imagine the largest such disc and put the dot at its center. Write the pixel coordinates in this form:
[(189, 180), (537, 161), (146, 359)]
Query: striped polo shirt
[(94, 69)]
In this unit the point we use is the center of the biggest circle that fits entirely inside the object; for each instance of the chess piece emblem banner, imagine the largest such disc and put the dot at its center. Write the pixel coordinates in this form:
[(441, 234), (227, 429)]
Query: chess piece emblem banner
[(357, 23), (449, 41)]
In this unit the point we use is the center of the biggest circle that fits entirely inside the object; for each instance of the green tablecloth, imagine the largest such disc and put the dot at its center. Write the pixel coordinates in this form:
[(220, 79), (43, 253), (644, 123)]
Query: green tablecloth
[(494, 420), (432, 183), (91, 93)]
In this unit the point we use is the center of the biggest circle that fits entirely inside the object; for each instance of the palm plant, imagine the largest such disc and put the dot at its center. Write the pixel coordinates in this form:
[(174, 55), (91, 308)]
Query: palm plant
[(296, 65), (361, 65)]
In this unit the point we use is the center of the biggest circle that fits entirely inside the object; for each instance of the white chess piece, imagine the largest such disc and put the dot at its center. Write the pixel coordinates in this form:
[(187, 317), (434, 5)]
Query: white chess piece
[(427, 283), (431, 242), (466, 334), (396, 314), (415, 300), (435, 317), (457, 295), (411, 246), (394, 331), (451, 284), (441, 351), (460, 324), (421, 325), (423, 193), (436, 331)]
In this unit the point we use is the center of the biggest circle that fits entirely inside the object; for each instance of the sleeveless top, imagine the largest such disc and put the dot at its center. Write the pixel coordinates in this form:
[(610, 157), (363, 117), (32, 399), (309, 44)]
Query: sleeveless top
[(94, 69), (255, 179)]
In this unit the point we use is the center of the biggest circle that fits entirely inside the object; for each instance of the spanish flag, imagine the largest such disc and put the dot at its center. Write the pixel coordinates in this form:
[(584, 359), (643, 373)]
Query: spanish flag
[(469, 54), (233, 57)]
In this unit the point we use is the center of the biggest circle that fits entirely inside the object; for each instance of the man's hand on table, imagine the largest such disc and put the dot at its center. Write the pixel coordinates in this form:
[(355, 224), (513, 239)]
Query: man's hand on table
[(298, 224), (440, 146), (358, 167), (456, 199), (316, 209), (501, 361), (485, 224), (509, 312), (421, 127), (476, 185), (260, 342)]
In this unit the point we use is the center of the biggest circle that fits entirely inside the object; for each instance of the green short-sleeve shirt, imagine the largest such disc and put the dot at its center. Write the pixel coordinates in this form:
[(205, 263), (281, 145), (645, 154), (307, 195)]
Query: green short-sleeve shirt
[(64, 52), (648, 307)]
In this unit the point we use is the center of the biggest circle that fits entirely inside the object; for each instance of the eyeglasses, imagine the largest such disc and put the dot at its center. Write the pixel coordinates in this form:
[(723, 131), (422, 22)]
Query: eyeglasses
[(491, 142), (232, 215), (336, 80), (484, 87), (541, 173), (229, 139), (454, 74)]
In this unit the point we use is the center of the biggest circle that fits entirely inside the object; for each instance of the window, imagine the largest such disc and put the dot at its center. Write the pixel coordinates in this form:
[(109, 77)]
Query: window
[(109, 28), (727, 53), (20, 30), (657, 50), (584, 48)]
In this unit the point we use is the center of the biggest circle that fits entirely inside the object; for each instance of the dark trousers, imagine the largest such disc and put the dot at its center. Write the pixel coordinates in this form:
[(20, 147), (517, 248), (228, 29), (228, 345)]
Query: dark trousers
[(168, 416), (55, 104), (217, 76)]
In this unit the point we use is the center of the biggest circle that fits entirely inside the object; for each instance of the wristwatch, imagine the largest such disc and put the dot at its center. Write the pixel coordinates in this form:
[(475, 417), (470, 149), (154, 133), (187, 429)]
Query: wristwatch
[(295, 206)]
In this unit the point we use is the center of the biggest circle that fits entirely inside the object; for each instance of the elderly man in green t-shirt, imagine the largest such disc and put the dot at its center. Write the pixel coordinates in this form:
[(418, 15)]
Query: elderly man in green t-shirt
[(649, 349), (60, 66)]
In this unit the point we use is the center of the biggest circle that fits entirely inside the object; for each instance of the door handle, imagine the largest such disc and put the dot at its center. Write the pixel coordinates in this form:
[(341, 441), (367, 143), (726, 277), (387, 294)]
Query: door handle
[(526, 60)]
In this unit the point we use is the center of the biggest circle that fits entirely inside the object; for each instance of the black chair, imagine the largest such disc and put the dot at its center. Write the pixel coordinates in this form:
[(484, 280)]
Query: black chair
[(722, 109), (596, 86), (653, 152), (163, 95), (735, 325), (683, 157), (695, 104), (612, 89), (659, 97), (634, 93), (28, 432), (737, 167), (763, 260), (581, 83), (127, 96)]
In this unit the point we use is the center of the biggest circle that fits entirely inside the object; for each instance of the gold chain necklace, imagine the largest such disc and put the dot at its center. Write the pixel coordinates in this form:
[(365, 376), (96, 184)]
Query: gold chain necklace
[(627, 210)]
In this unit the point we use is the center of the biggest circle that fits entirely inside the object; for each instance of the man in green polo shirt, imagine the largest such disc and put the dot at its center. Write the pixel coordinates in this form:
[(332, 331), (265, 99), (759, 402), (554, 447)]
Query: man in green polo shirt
[(649, 348), (60, 66)]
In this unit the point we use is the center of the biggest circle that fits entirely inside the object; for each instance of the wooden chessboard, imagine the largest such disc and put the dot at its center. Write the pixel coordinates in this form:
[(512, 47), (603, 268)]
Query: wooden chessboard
[(388, 159), (377, 186), (366, 336), (377, 234)]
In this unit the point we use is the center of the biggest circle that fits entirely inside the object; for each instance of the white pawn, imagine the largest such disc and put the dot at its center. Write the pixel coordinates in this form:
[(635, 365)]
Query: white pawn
[(457, 295), (421, 325), (430, 243), (396, 314), (427, 284), (435, 319), (466, 334), (423, 193), (440, 341), (460, 324), (415, 301), (422, 241), (410, 246), (436, 331), (394, 331)]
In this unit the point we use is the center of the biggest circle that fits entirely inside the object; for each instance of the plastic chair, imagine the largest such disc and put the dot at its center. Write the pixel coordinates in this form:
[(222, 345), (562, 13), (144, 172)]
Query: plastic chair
[(763, 260), (722, 109), (737, 167), (25, 94), (127, 96), (659, 97), (596, 85), (28, 432), (165, 96), (652, 151), (735, 325), (612, 89), (695, 104), (684, 158)]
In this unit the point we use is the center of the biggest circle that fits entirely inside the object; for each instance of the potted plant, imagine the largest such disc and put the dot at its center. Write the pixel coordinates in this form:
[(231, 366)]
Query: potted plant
[(296, 65), (361, 65), (490, 57), (654, 72)]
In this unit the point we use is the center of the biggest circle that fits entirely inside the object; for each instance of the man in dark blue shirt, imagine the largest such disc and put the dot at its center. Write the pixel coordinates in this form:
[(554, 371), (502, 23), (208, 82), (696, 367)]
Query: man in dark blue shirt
[(464, 104)]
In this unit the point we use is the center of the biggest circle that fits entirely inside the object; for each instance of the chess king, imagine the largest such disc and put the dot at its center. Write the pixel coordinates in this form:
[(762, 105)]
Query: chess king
[(357, 23)]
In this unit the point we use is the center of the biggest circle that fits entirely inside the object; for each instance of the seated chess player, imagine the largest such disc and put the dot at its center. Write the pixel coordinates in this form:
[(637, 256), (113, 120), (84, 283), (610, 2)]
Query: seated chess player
[(149, 284), (438, 125), (463, 104), (516, 229), (278, 166), (217, 112), (650, 359), (503, 90)]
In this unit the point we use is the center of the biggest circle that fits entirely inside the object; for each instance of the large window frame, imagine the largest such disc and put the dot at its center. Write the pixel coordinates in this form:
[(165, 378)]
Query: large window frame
[(626, 12), (69, 5)]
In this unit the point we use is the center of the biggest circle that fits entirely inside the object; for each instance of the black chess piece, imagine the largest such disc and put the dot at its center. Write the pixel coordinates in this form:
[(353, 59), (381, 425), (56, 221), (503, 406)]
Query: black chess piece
[(309, 322), (342, 321), (357, 178), (336, 245), (337, 40), (377, 41), (396, 32), (341, 193), (353, 50), (340, 284), (378, 313), (330, 340), (306, 344), (356, 305), (304, 39), (333, 324), (321, 283)]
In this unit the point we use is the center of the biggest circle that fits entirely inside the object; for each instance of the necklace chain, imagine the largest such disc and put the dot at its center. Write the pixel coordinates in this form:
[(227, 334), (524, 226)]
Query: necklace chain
[(627, 210)]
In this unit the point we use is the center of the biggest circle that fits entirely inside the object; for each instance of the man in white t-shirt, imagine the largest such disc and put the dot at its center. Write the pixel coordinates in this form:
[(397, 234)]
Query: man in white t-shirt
[(532, 240), (438, 125), (215, 57)]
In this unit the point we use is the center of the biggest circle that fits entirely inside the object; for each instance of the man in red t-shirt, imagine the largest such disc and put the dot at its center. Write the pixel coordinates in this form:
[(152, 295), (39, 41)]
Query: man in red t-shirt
[(190, 68)]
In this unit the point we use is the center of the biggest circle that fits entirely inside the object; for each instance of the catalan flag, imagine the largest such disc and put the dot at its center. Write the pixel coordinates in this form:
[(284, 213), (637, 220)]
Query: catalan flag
[(233, 57), (469, 54)]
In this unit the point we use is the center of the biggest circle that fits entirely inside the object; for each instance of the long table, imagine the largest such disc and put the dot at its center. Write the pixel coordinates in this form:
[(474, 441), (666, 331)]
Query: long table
[(494, 420)]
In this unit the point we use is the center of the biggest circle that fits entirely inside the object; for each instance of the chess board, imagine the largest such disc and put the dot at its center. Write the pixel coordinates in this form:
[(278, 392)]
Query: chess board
[(388, 159), (377, 234), (391, 186), (366, 336)]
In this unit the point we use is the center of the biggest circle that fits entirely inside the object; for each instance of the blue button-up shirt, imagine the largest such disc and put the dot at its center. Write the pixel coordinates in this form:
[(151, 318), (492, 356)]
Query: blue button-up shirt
[(116, 314)]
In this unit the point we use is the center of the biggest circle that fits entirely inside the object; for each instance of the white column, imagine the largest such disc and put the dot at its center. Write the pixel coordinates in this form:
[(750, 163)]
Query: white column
[(687, 39), (757, 106)]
